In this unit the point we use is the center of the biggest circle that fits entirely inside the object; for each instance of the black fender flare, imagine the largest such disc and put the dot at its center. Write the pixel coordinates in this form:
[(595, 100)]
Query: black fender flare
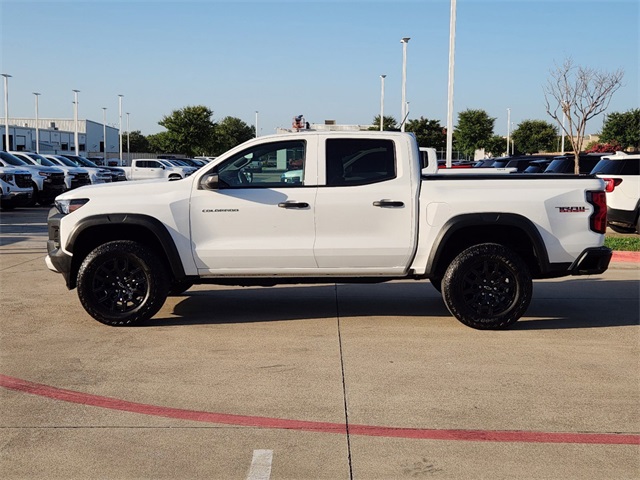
[(153, 225), (489, 219)]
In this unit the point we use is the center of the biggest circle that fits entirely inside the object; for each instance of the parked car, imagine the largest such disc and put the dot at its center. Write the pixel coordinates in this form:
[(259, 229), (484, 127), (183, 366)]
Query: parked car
[(97, 175), (117, 174), (485, 163), (16, 188), (47, 182), (520, 162), (74, 177), (623, 200), (538, 166), (363, 212), (154, 169), (178, 163), (566, 163), (191, 162)]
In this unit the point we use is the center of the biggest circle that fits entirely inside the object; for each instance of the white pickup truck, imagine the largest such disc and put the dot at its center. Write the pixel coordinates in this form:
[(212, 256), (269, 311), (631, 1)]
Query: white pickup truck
[(152, 169), (360, 211)]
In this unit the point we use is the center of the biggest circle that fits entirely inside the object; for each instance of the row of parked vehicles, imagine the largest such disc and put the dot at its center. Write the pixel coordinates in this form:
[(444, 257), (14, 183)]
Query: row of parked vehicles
[(29, 178)]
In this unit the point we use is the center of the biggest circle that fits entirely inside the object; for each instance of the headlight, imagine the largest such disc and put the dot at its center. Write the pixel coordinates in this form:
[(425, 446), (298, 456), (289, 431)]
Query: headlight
[(66, 207), (6, 177), (44, 174)]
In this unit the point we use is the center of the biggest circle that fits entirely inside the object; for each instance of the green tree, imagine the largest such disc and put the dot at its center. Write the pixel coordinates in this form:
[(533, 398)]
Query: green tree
[(231, 132), (496, 146), (138, 143), (429, 133), (474, 129), (534, 136), (159, 143), (390, 124), (623, 129), (190, 130)]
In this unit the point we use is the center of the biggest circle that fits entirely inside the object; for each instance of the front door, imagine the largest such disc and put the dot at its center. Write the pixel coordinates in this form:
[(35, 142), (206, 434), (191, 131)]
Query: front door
[(260, 220)]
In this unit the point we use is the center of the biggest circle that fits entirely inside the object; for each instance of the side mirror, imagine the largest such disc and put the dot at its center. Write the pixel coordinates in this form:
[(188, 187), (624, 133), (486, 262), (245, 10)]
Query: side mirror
[(210, 182)]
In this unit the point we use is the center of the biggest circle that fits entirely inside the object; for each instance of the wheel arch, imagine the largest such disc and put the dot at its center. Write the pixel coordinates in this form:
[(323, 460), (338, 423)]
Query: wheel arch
[(96, 230), (512, 230)]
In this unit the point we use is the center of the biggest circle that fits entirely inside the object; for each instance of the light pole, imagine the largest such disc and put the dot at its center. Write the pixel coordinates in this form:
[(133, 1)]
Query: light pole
[(120, 124), (452, 55), (508, 130), (6, 110), (564, 116), (128, 150), (382, 77), (256, 123), (75, 120), (404, 42), (36, 94), (104, 134)]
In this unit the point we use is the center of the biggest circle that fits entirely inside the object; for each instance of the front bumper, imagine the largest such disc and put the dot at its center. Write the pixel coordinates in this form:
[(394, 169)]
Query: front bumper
[(592, 261), (16, 199), (57, 260)]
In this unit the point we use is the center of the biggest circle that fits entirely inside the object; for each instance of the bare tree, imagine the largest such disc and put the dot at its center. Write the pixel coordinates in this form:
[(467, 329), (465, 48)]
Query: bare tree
[(579, 94)]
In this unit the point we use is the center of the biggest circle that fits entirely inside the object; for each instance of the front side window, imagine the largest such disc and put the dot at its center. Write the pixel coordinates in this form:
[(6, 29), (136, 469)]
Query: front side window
[(359, 161), (273, 165)]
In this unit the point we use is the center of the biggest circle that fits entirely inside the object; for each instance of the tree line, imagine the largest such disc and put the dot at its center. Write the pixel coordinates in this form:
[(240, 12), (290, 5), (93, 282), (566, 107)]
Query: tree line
[(475, 130)]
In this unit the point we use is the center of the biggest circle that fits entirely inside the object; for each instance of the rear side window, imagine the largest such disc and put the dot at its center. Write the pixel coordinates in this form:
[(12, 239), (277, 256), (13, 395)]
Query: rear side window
[(617, 167), (355, 161)]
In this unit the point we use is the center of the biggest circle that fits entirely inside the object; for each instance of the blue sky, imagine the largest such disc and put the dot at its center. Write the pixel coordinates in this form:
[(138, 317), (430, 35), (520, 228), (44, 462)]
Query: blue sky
[(322, 59)]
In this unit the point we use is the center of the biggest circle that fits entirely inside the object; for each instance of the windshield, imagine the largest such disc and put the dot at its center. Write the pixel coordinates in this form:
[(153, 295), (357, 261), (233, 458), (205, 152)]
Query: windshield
[(559, 166), (81, 161), (11, 160), (41, 160), (63, 161)]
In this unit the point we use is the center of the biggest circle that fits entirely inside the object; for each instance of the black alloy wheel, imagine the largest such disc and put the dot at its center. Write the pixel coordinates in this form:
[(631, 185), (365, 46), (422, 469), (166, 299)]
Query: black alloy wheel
[(487, 286), (122, 283)]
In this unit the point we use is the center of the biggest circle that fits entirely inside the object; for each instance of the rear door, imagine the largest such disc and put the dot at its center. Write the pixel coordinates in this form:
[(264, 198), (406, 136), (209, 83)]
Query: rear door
[(365, 210)]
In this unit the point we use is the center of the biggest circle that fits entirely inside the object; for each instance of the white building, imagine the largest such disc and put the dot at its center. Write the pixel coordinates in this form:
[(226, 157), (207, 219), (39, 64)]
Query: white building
[(56, 136)]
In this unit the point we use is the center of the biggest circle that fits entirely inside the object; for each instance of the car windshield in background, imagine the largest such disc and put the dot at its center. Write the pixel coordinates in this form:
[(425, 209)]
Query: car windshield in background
[(65, 161), (11, 160), (41, 160), (617, 167)]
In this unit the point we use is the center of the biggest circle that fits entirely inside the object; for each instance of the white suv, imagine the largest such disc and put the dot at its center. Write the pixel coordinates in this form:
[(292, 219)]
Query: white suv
[(623, 200)]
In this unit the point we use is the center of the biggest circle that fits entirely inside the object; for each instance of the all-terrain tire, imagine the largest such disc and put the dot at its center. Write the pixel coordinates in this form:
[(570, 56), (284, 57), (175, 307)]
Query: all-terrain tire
[(122, 283), (487, 286)]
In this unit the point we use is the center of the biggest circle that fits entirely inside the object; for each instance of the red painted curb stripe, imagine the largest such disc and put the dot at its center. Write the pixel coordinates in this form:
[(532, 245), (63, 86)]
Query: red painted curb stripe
[(619, 256), (71, 396)]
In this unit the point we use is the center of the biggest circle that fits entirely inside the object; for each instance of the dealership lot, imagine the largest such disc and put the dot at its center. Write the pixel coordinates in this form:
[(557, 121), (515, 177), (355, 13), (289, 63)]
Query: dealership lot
[(302, 382)]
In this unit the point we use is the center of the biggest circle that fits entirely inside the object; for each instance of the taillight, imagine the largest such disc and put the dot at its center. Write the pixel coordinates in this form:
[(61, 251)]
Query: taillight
[(611, 183), (598, 219)]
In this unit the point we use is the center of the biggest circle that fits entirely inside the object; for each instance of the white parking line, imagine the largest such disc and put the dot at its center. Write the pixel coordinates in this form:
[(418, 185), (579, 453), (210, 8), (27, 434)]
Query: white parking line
[(260, 465)]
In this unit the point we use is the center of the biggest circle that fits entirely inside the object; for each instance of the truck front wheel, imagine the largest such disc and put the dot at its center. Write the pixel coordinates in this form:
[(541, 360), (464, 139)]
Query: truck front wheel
[(122, 283), (487, 286)]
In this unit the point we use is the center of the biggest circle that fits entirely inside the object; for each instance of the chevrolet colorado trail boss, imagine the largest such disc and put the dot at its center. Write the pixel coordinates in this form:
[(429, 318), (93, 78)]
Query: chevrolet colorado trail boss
[(361, 210)]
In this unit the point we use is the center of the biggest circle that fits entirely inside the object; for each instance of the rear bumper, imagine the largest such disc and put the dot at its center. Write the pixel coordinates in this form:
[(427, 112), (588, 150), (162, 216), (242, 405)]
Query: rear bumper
[(592, 261)]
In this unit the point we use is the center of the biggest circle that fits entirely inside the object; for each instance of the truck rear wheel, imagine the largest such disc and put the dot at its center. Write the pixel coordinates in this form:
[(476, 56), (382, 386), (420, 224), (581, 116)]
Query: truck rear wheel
[(487, 286), (122, 283)]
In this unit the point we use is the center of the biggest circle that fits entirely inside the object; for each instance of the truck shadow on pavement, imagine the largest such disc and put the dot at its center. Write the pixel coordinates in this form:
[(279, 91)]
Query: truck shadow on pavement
[(554, 306)]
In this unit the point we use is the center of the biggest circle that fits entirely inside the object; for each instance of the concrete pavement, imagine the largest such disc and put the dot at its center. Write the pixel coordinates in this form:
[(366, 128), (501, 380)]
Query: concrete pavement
[(335, 381)]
